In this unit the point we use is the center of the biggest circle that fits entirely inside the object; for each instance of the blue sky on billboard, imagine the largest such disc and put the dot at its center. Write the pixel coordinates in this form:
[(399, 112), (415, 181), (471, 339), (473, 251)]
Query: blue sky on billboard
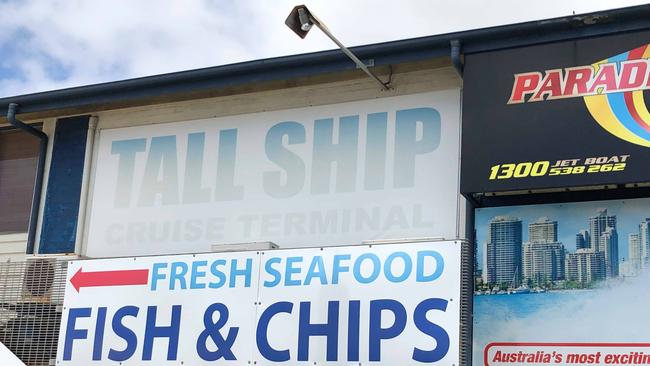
[(61, 43), (571, 218)]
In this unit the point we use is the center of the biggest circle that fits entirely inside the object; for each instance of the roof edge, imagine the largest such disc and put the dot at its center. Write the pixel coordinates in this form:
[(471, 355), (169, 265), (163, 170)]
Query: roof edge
[(303, 65)]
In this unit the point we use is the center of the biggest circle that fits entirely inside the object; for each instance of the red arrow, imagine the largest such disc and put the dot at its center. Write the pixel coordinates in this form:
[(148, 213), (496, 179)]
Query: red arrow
[(109, 278)]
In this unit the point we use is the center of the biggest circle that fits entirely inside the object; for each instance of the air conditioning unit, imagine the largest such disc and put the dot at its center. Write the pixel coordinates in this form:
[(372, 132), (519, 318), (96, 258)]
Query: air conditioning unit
[(30, 308), (38, 280)]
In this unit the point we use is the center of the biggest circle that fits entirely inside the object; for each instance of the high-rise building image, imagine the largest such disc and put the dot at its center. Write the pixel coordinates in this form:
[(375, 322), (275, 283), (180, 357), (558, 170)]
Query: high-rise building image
[(503, 251), (543, 262), (543, 256), (542, 230), (644, 239), (604, 238), (478, 272), (634, 252), (608, 244), (585, 266), (597, 226), (572, 270), (582, 240)]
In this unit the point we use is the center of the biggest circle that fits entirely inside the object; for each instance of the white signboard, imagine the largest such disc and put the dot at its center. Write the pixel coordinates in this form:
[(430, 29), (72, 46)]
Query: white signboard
[(391, 304), (327, 175)]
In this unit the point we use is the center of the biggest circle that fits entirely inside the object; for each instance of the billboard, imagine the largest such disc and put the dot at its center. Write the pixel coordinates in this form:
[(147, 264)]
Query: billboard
[(326, 175), (384, 304), (555, 115), (563, 284)]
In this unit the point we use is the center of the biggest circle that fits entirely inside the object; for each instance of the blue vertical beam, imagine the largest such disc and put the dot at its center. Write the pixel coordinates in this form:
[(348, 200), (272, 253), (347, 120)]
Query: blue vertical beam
[(59, 227)]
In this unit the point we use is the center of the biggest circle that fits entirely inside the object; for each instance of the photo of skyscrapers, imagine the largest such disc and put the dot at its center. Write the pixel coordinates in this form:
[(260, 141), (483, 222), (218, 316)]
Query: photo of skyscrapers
[(523, 249)]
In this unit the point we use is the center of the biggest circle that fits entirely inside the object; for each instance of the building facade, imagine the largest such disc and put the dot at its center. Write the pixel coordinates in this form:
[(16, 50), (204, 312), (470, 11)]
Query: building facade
[(503, 251), (583, 240), (543, 262), (543, 255), (608, 245), (585, 266), (598, 225), (307, 151), (542, 230), (635, 254), (644, 242)]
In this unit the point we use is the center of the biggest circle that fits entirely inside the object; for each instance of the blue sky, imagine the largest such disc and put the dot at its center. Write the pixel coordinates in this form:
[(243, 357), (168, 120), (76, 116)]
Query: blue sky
[(571, 218), (46, 45)]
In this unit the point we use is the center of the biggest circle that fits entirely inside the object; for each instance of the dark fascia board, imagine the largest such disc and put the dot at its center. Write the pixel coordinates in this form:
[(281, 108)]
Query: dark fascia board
[(332, 61)]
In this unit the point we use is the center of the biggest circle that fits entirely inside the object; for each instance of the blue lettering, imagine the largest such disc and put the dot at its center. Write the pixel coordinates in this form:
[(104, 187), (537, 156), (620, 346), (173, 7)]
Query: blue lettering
[(155, 276), (99, 334), (286, 159), (407, 144), (344, 153), (193, 192), (337, 268), (197, 273), (316, 269), (329, 330), (376, 268), (177, 273), (246, 272), (261, 334), (375, 175), (376, 332), (217, 273), (72, 333), (127, 150), (162, 162), (170, 332), (388, 267), (435, 331), (211, 334), (290, 270), (353, 330), (225, 189), (268, 267), (125, 333), (440, 266)]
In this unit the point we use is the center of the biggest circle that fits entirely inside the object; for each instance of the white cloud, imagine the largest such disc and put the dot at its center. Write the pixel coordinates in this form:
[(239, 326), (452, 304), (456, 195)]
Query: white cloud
[(62, 43)]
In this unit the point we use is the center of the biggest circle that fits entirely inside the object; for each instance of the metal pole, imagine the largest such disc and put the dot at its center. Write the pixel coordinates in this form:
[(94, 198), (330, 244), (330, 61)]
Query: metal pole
[(359, 63)]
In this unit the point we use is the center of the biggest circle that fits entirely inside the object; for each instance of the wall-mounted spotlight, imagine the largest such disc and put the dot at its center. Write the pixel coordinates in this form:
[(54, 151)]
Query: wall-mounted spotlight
[(301, 20)]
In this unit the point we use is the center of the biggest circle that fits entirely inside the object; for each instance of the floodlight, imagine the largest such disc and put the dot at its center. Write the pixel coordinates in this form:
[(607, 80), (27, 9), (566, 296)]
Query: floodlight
[(301, 20)]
